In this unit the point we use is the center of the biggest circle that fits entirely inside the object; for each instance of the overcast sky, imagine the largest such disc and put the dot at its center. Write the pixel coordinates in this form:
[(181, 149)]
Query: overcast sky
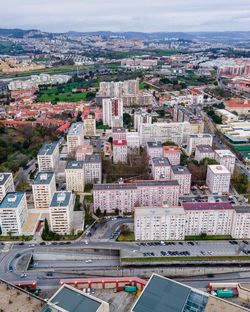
[(126, 15)]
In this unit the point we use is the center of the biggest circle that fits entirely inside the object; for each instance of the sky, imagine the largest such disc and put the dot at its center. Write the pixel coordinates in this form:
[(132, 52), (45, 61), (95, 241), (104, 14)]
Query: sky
[(126, 15)]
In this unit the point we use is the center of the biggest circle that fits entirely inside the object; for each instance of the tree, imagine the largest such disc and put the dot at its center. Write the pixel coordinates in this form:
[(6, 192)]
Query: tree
[(125, 230), (169, 143), (117, 211), (240, 182), (127, 120), (79, 117), (98, 212)]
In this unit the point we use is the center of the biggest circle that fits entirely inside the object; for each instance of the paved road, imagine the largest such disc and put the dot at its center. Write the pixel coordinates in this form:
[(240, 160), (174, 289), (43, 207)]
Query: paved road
[(116, 225)]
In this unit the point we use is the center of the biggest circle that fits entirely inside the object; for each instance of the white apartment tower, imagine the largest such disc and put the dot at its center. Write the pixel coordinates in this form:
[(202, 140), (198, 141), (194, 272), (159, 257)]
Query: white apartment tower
[(198, 139), (111, 108), (6, 184), (90, 126), (61, 212), (48, 157), (225, 158), (93, 169), (75, 176), (183, 176), (218, 179), (43, 187), (13, 213), (161, 168), (75, 137)]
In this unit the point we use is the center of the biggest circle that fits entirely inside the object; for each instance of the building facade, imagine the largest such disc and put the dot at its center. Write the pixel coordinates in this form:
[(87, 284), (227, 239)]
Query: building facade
[(218, 179), (173, 153), (154, 149), (203, 151), (90, 126), (161, 168), (6, 184), (75, 180), (225, 158), (75, 137), (93, 169), (198, 139), (120, 151), (48, 157), (111, 107), (183, 176)]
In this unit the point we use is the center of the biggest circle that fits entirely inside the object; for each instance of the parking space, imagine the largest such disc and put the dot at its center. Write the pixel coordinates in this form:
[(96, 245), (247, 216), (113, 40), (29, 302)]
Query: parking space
[(209, 248)]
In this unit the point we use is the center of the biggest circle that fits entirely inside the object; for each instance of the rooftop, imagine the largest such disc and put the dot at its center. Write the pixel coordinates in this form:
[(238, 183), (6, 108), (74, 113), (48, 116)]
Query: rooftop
[(237, 103), (160, 161), (223, 153), (93, 159), (242, 209), (75, 164), (204, 148), (171, 149), (76, 128), (47, 148), (154, 144), (70, 299), (180, 170), (120, 142), (207, 206), (218, 169), (43, 178), (4, 177), (201, 135), (60, 199), (118, 129), (162, 294), (12, 200)]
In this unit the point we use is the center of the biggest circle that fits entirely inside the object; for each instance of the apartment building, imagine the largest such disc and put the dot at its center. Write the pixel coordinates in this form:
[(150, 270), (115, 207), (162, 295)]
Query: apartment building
[(90, 126), (154, 149), (198, 139), (125, 196), (118, 89), (13, 213), (241, 222), (93, 169), (75, 137), (183, 176), (83, 150), (176, 132), (43, 188), (120, 151), (111, 107), (6, 184), (133, 140), (225, 158), (119, 133), (48, 157), (209, 218), (161, 168), (75, 180), (61, 212), (159, 223), (173, 153), (218, 179), (203, 151), (141, 118)]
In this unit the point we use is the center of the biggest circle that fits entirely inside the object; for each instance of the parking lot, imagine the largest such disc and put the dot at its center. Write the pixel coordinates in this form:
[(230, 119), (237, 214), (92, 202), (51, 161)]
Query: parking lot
[(198, 248)]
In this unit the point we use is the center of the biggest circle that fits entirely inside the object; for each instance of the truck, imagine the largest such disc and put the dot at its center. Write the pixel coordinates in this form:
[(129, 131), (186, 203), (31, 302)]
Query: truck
[(130, 289), (225, 293)]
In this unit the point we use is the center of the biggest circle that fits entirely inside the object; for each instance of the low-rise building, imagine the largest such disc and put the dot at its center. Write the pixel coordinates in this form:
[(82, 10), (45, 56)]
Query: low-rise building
[(198, 139), (43, 188), (183, 176), (48, 157), (203, 151), (75, 137), (226, 115), (120, 151), (161, 168), (218, 179), (13, 213), (173, 153), (154, 149), (225, 158), (6, 184), (159, 223), (61, 212), (93, 169), (75, 176)]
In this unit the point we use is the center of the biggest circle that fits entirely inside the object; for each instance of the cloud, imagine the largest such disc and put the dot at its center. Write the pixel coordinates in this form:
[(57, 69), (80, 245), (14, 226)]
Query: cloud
[(129, 15)]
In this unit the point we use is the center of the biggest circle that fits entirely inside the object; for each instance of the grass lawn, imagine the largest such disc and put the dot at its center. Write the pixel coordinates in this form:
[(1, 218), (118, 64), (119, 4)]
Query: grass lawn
[(16, 238), (130, 237), (76, 208), (169, 259), (208, 237), (88, 198), (63, 97)]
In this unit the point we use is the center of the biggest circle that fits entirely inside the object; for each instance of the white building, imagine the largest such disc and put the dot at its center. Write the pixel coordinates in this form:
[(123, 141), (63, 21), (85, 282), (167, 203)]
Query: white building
[(13, 213), (48, 157), (93, 169), (61, 212), (43, 188), (225, 158), (119, 89), (154, 149), (111, 107), (141, 118), (198, 139), (119, 133), (75, 180), (90, 126), (173, 153), (159, 223), (120, 151), (203, 151), (126, 196), (183, 176), (218, 179), (6, 184), (83, 150), (75, 137), (241, 222), (133, 140), (161, 168)]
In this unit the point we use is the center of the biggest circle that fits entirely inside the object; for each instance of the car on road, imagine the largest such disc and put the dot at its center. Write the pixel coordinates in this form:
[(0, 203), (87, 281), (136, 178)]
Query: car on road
[(88, 261), (49, 274), (17, 255), (23, 275), (10, 268)]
